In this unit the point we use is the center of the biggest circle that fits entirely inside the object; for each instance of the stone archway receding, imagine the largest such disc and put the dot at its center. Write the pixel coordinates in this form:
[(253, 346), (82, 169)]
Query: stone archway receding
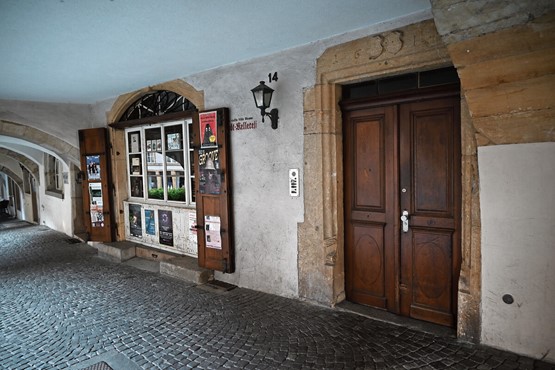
[(67, 152), (31, 166), (320, 244)]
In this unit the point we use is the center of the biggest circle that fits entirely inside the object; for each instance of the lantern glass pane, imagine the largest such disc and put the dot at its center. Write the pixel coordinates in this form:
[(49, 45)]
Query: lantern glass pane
[(258, 98), (267, 98)]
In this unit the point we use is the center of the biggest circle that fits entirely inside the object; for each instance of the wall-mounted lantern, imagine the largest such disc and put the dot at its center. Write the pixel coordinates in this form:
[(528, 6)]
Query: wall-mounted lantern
[(262, 97)]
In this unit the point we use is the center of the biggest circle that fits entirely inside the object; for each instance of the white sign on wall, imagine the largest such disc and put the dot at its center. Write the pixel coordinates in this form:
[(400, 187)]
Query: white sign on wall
[(294, 182)]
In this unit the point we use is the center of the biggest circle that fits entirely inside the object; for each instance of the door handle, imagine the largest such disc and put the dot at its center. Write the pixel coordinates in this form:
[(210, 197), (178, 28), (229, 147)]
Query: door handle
[(405, 221)]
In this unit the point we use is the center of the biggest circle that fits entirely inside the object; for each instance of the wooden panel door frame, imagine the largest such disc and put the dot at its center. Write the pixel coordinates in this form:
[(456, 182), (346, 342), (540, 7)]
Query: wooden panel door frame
[(348, 107)]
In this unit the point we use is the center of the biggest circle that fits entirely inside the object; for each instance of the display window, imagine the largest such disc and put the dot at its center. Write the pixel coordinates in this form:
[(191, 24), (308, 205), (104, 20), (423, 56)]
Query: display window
[(159, 162)]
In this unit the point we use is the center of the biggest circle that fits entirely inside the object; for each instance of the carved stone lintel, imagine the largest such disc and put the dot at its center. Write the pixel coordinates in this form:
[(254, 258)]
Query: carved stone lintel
[(389, 43), (393, 42), (375, 47)]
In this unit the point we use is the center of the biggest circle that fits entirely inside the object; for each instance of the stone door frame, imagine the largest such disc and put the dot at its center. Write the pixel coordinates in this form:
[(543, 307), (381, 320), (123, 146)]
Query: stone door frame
[(416, 47)]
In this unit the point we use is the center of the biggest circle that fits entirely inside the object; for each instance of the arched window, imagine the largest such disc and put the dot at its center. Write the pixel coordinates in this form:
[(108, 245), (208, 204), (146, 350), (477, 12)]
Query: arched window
[(159, 150), (156, 104)]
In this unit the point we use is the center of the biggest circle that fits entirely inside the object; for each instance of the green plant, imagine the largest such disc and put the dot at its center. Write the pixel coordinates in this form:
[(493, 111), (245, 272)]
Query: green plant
[(156, 193), (173, 194), (176, 194)]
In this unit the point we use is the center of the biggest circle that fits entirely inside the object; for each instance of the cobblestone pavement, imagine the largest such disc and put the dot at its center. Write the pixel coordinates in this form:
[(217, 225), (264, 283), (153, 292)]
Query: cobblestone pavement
[(62, 307)]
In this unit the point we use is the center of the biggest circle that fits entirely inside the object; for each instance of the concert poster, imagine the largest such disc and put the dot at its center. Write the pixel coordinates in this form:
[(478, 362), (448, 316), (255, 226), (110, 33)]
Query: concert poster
[(165, 227), (208, 129)]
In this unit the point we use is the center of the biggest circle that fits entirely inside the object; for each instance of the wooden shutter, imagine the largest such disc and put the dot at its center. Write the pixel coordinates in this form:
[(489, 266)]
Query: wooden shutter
[(96, 182), (212, 190)]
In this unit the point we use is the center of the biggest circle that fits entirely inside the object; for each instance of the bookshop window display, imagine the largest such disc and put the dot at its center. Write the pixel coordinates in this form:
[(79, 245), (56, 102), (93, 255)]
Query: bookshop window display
[(160, 159)]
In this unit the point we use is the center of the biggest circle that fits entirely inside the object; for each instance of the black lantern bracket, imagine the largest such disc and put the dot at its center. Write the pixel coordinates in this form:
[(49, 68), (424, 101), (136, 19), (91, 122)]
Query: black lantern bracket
[(262, 98), (273, 117)]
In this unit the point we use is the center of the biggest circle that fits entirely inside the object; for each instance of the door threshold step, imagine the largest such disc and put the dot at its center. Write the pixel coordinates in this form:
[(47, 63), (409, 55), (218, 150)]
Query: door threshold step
[(391, 318)]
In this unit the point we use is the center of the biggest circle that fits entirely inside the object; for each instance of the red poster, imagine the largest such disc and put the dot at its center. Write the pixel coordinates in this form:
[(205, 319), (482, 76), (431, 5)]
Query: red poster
[(208, 130)]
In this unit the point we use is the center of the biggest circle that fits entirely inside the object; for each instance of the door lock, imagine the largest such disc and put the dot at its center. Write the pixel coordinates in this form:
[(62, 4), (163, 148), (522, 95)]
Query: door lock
[(405, 221)]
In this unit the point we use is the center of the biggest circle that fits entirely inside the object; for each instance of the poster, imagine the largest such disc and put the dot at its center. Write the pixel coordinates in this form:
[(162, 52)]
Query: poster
[(212, 232), (93, 167), (165, 227), (173, 141), (137, 187), (150, 222), (96, 207), (193, 227), (208, 130), (135, 221), (210, 180), (134, 138)]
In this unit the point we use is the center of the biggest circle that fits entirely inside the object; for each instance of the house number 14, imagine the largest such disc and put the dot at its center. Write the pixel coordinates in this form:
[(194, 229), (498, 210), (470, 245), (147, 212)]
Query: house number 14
[(272, 77)]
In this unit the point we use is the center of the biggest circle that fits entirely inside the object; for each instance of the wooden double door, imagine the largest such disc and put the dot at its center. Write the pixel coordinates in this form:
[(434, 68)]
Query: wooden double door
[(402, 205)]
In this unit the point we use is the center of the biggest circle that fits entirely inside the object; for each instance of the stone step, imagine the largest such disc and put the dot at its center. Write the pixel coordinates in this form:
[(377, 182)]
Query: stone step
[(115, 251), (140, 256), (187, 269)]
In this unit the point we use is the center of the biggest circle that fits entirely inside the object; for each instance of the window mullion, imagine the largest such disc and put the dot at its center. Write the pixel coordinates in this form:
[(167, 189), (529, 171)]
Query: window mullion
[(165, 163)]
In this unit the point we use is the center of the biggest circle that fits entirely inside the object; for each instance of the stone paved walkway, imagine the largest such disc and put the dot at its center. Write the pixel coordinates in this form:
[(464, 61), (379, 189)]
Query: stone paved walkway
[(63, 307)]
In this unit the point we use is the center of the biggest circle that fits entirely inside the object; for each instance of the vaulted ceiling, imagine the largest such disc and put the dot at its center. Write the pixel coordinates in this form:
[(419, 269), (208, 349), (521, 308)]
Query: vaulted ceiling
[(83, 51)]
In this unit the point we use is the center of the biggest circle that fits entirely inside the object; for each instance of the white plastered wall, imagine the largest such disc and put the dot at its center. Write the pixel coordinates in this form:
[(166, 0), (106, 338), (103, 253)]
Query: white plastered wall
[(265, 216), (518, 247), (56, 212)]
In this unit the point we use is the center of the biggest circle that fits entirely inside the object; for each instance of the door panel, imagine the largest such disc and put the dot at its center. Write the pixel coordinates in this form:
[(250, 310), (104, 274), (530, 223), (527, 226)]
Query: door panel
[(403, 157), (368, 137), (431, 160), (370, 222), (368, 283), (430, 262), (429, 168)]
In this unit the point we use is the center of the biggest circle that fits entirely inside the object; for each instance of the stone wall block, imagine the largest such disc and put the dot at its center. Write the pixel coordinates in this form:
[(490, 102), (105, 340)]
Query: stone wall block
[(509, 69), (461, 20), (511, 98), (522, 39), (468, 327), (517, 128), (468, 139)]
